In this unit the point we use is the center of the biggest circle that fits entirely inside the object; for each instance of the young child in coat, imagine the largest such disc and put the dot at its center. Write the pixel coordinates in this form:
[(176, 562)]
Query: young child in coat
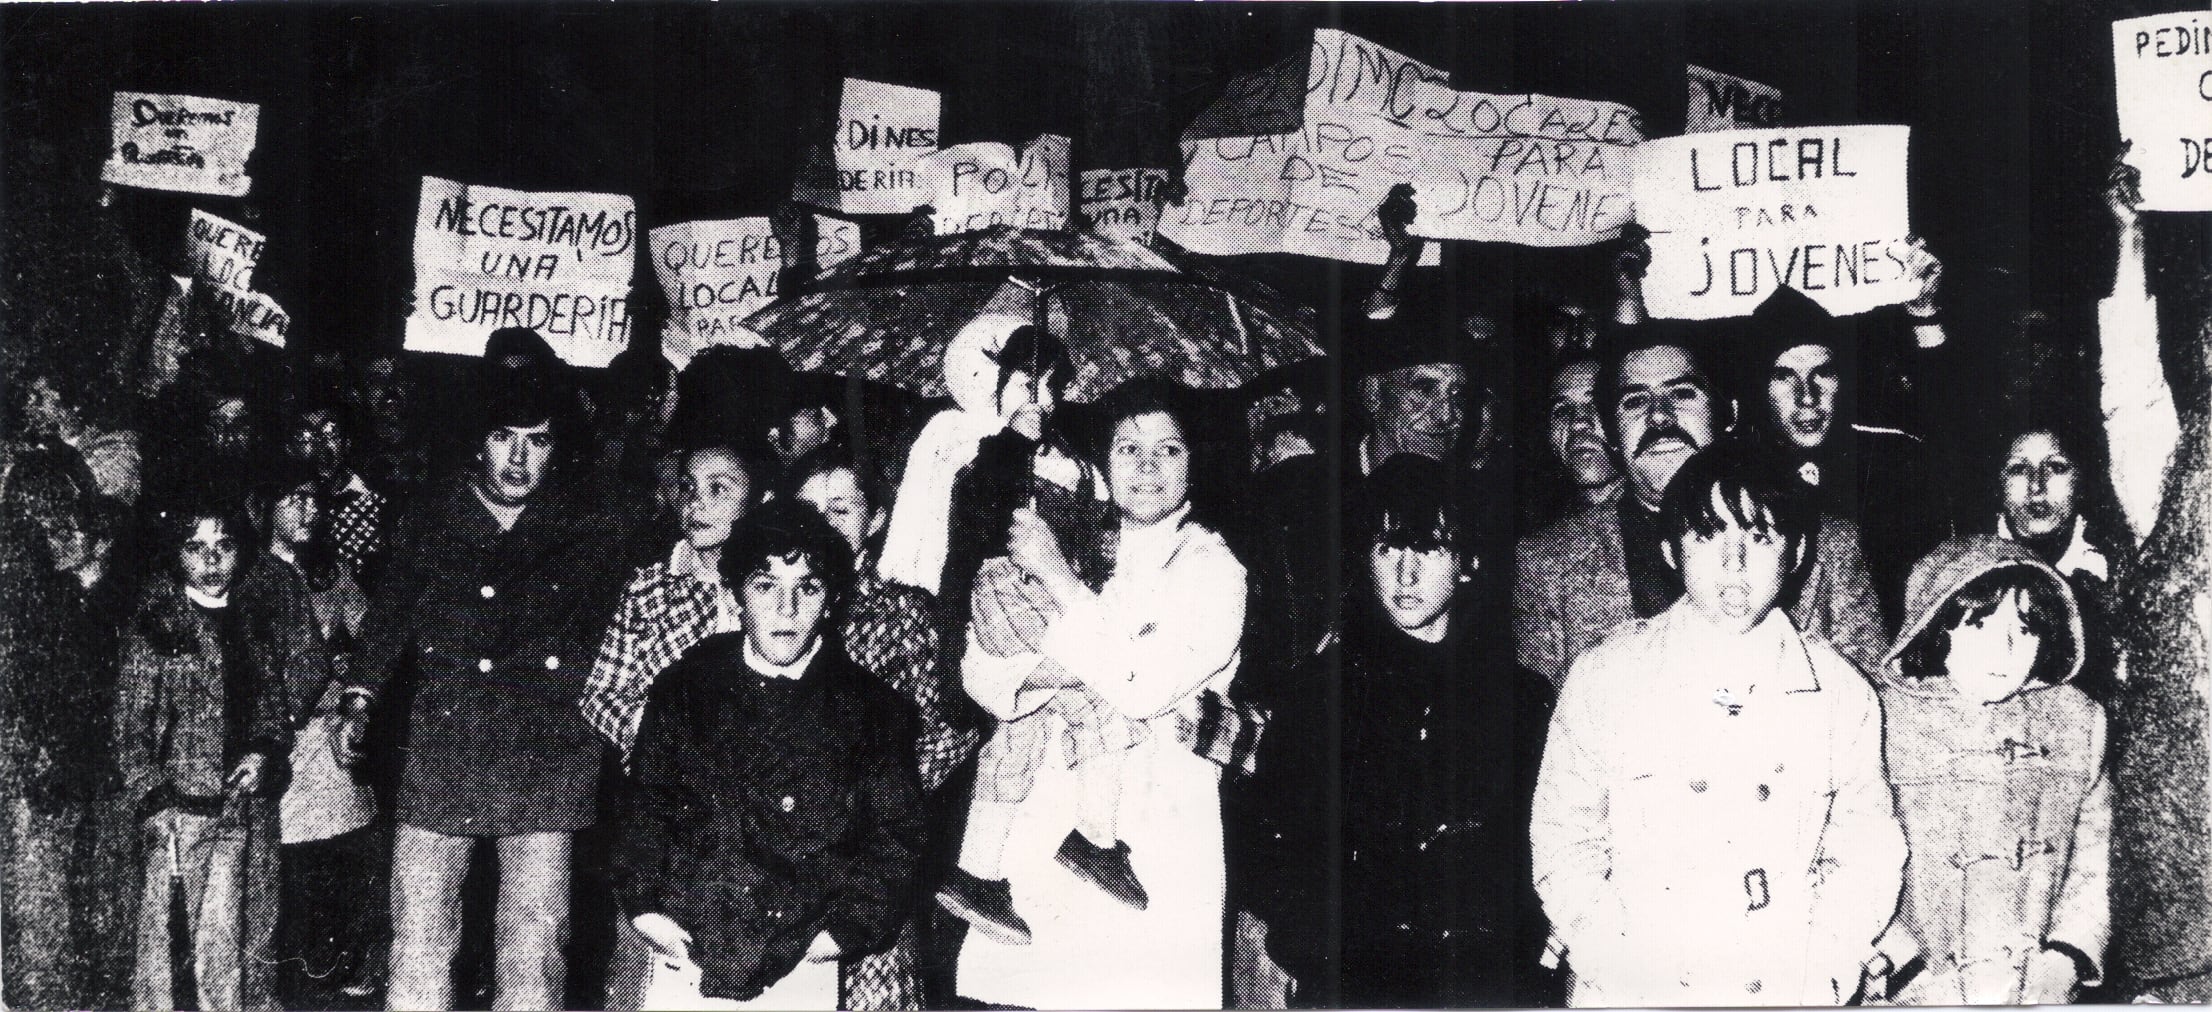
[(1712, 826), (1999, 773), (202, 740)]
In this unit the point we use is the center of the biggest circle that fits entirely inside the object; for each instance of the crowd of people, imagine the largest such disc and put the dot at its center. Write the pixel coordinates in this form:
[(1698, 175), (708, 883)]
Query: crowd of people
[(1812, 691)]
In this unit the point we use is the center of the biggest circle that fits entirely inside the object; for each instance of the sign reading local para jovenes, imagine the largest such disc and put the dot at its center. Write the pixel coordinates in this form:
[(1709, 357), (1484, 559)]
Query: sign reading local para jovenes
[(487, 258), (2162, 78), (181, 142), (1735, 214)]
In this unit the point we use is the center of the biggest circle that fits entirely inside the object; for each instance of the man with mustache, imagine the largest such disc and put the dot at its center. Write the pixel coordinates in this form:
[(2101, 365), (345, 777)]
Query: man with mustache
[(495, 594), (1801, 375), (1579, 579)]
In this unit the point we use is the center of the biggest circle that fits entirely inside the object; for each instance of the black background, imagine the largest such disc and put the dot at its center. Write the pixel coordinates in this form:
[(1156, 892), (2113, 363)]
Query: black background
[(704, 111)]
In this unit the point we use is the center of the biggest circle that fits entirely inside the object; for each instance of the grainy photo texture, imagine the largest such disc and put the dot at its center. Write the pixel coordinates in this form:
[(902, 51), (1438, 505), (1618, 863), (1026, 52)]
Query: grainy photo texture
[(1105, 505)]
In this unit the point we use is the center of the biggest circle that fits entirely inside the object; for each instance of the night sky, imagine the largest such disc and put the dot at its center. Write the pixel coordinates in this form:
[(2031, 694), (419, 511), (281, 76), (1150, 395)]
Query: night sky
[(704, 111)]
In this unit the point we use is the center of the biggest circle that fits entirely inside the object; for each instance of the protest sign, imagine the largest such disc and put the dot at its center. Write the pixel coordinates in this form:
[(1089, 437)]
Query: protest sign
[(1123, 202), (1720, 101), (487, 258), (1529, 169), (181, 142), (715, 274), (835, 241), (2162, 77), (870, 165), (974, 186), (223, 255), (1735, 214)]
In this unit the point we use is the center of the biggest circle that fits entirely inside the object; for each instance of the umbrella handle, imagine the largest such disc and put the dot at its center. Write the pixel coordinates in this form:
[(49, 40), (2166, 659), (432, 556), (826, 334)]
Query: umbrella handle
[(176, 853)]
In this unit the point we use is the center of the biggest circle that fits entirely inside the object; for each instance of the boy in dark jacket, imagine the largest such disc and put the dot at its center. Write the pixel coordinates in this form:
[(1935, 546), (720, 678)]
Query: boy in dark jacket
[(773, 819)]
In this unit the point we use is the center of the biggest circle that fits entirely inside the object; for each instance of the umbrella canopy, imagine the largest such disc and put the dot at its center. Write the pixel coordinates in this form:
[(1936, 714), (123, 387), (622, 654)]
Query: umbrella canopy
[(1121, 309)]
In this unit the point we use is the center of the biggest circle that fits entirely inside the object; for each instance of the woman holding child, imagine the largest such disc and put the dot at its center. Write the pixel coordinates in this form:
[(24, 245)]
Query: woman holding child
[(1161, 631)]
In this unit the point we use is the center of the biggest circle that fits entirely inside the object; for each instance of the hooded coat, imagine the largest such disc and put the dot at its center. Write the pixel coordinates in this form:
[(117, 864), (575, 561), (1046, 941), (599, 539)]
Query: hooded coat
[(2006, 808)]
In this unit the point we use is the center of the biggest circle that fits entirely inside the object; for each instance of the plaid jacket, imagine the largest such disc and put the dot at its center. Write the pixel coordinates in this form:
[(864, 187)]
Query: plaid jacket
[(357, 529), (889, 629), (664, 611)]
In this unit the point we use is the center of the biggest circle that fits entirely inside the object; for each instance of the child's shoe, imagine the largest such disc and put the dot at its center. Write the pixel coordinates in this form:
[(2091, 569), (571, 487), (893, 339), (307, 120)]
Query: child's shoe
[(987, 904), (1104, 868)]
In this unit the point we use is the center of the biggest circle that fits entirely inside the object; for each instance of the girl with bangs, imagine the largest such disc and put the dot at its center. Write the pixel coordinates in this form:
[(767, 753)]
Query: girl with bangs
[(1412, 742), (1998, 766)]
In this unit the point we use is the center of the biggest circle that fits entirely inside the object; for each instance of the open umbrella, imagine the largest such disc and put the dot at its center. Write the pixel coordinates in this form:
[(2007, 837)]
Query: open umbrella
[(1121, 309)]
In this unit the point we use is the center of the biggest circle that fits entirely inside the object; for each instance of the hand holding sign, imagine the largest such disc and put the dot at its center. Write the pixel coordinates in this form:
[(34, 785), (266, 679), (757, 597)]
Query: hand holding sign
[(2162, 77), (1736, 214)]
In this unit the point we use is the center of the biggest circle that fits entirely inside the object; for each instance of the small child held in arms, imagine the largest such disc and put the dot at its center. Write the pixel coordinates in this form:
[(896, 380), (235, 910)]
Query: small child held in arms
[(1998, 764)]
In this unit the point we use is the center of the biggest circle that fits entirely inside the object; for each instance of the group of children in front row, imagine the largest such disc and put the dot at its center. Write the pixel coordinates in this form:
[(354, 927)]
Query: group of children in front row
[(1713, 824), (1727, 812)]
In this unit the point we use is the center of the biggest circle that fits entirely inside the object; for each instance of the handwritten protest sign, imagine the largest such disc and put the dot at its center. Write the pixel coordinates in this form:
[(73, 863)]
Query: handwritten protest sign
[(1720, 101), (487, 258), (870, 165), (182, 143), (1735, 214), (1123, 202), (1530, 169), (973, 186), (2162, 76), (715, 274), (223, 255), (835, 241)]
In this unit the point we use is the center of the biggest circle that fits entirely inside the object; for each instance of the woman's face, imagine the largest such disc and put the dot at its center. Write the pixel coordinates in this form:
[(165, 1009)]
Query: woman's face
[(836, 495), (1148, 466), (1991, 656), (292, 520), (715, 493), (2038, 481)]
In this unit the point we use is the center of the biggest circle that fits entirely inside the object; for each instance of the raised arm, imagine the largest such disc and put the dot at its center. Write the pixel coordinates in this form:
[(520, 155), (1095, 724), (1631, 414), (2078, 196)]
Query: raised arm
[(2142, 426)]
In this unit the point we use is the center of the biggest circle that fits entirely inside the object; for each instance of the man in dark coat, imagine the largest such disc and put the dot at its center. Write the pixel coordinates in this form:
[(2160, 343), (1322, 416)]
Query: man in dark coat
[(496, 593), (1801, 389), (773, 821), (1396, 779)]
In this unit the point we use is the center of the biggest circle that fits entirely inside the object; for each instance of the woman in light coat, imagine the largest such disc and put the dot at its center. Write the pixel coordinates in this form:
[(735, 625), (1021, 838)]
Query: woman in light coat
[(1162, 630)]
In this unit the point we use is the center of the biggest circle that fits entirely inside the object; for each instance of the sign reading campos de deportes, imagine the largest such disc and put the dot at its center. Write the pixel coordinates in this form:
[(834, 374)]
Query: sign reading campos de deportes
[(2162, 77), (870, 164), (1529, 169), (487, 258), (1720, 101), (1736, 214), (181, 143), (974, 186), (223, 255)]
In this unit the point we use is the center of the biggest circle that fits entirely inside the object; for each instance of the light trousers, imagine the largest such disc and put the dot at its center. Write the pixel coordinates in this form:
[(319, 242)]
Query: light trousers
[(529, 933)]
